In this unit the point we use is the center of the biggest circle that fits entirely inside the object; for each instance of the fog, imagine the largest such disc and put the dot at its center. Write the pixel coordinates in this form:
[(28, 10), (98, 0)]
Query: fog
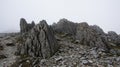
[(104, 13)]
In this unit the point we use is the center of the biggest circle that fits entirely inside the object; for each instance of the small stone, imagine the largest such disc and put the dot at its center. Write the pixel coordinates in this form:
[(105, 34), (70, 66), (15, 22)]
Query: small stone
[(59, 58), (77, 41), (90, 61), (82, 58), (28, 61), (85, 62)]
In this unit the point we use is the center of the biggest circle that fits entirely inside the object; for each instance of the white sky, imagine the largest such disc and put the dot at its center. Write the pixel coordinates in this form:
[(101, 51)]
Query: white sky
[(104, 13)]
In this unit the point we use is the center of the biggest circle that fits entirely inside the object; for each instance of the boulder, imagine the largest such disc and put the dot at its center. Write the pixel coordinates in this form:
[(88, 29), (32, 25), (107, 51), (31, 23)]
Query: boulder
[(40, 42)]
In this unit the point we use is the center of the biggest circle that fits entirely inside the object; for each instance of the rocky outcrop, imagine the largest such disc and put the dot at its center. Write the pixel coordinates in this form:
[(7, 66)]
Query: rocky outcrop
[(24, 26), (40, 42), (90, 35), (89, 47), (113, 37), (83, 33), (65, 26)]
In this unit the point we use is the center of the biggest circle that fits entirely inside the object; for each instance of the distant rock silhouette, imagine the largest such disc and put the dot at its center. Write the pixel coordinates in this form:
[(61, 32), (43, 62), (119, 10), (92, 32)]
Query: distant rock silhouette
[(40, 42), (24, 26)]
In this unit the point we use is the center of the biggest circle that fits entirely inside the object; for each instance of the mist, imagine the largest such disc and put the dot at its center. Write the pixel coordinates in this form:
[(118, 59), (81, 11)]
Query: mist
[(104, 13)]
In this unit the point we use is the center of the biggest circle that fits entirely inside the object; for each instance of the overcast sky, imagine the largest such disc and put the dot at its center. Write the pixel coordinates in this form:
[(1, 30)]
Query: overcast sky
[(104, 13)]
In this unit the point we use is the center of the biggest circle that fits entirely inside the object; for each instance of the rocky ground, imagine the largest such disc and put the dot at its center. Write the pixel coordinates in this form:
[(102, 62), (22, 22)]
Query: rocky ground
[(73, 54), (70, 54), (7, 53)]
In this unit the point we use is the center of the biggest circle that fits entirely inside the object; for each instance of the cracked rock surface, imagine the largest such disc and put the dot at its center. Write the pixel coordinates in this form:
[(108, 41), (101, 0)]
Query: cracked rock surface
[(40, 42)]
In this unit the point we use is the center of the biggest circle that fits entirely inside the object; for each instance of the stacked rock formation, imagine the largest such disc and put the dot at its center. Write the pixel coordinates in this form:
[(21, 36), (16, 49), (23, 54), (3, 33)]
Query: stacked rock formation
[(24, 26), (40, 42)]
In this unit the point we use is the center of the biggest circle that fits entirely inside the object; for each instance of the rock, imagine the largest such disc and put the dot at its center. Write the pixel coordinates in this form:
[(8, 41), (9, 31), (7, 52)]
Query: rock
[(24, 26), (10, 44), (113, 38), (83, 58), (112, 51), (1, 47), (58, 59), (85, 62), (65, 26), (118, 59), (90, 35), (110, 65), (40, 42), (77, 42), (94, 53), (42, 62), (2, 56), (97, 29), (115, 51), (90, 61)]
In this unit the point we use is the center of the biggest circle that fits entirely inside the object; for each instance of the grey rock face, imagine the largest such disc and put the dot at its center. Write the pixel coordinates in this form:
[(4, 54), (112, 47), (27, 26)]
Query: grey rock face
[(40, 42), (97, 29), (90, 35), (82, 32), (24, 26), (113, 37), (65, 26)]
